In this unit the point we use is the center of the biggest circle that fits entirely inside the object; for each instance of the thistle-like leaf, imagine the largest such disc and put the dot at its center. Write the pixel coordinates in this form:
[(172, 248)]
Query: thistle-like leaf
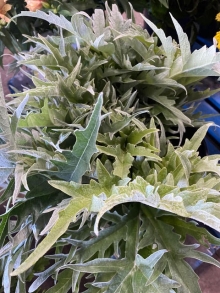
[(47, 117), (65, 218), (131, 272), (78, 160), (183, 41), (50, 17), (167, 42)]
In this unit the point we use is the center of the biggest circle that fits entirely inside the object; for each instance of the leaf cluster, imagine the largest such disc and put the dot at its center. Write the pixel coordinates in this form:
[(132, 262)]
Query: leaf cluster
[(115, 56), (192, 15), (98, 199)]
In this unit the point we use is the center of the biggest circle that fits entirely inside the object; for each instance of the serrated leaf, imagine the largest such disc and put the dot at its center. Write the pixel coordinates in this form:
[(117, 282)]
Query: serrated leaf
[(204, 257), (122, 163), (130, 273), (66, 216), (42, 277), (78, 160), (76, 70), (116, 19), (76, 190), (46, 116), (52, 18), (167, 43), (99, 265), (106, 180), (195, 141), (200, 64), (140, 190), (190, 203), (183, 41), (113, 55), (18, 239), (119, 125), (98, 22), (52, 49), (169, 105), (207, 165), (179, 269), (184, 228), (123, 160), (142, 151), (22, 210), (136, 136), (207, 213), (112, 234), (185, 164)]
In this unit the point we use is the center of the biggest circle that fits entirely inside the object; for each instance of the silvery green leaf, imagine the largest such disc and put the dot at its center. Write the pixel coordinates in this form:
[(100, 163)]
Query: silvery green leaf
[(10, 262), (58, 229), (99, 265), (19, 171), (50, 17), (52, 49), (64, 282), (136, 136), (142, 151), (169, 105), (195, 141), (46, 116), (167, 43), (5, 172), (116, 20), (42, 277), (185, 163), (204, 257), (208, 165), (132, 272), (98, 22), (199, 64), (78, 160), (183, 42), (20, 237), (123, 160), (17, 115), (55, 215)]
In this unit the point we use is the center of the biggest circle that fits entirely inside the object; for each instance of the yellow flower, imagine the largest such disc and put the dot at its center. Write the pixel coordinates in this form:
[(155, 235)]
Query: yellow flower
[(4, 8), (34, 5), (217, 37), (218, 17)]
